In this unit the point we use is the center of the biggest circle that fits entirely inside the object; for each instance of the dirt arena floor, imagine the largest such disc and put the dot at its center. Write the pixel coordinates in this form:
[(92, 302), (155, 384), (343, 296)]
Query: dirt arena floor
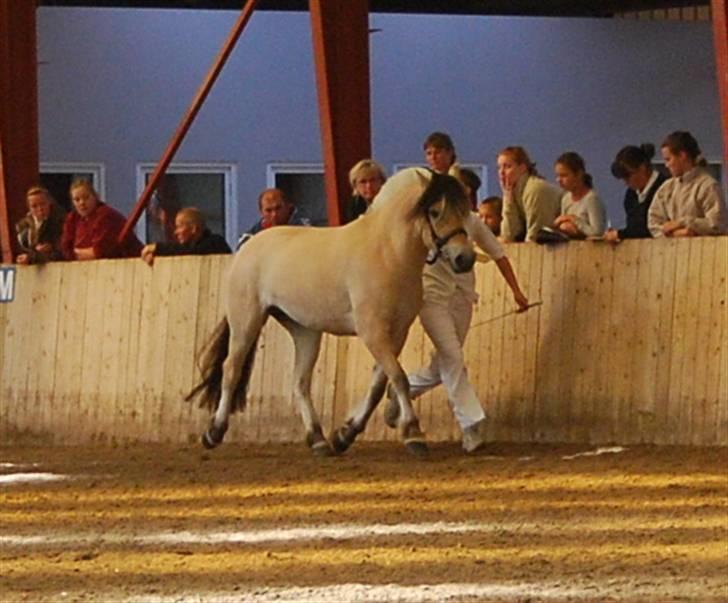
[(244, 523)]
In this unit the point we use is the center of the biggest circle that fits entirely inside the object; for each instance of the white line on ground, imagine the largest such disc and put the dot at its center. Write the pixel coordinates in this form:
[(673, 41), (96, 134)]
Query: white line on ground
[(635, 588), (597, 452), (368, 593), (22, 478), (335, 532), (17, 465)]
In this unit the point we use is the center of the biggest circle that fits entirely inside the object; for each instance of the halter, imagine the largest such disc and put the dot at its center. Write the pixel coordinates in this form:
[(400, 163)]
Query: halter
[(440, 242)]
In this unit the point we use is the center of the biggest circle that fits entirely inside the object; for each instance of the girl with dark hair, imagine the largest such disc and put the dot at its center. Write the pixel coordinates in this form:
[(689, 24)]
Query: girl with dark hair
[(582, 211), (529, 202), (690, 203), (634, 165)]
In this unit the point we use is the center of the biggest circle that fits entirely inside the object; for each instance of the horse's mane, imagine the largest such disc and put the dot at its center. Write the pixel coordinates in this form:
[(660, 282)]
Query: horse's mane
[(440, 186), (431, 187)]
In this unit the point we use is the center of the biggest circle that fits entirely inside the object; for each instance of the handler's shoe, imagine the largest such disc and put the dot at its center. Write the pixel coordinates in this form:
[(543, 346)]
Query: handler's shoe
[(391, 408), (474, 437)]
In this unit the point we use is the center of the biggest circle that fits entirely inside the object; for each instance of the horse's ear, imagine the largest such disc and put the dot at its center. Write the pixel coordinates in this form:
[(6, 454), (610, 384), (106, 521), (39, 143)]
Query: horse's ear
[(424, 177)]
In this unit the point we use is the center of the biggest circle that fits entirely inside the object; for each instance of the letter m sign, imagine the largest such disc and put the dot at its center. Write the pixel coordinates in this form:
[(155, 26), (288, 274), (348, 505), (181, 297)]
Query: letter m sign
[(7, 284)]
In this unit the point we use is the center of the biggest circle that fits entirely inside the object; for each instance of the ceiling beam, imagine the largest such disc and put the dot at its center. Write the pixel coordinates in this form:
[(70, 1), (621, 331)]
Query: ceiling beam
[(544, 8)]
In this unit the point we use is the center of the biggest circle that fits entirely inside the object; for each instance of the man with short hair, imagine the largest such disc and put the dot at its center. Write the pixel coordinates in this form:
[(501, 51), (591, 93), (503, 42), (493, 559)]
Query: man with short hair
[(275, 210), (193, 238)]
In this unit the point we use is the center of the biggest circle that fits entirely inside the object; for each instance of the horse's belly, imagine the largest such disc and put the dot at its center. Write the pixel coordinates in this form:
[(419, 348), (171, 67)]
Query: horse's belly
[(327, 322)]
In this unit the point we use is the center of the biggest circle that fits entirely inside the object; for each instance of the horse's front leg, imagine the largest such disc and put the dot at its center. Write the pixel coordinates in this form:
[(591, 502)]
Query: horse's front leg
[(344, 437), (385, 350)]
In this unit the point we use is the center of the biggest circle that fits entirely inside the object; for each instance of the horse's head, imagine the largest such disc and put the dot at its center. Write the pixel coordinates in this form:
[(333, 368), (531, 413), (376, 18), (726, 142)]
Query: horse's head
[(444, 207)]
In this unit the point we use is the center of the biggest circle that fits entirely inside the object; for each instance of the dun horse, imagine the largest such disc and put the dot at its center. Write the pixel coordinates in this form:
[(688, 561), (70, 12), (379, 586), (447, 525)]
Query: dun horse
[(361, 279)]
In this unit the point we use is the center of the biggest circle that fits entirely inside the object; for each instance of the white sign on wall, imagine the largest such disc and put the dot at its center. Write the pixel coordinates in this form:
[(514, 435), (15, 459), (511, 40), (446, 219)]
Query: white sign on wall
[(7, 284)]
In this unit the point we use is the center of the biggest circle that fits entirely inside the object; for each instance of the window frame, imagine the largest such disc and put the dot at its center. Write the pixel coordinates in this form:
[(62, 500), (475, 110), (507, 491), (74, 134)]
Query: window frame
[(96, 169), (287, 167), (229, 170)]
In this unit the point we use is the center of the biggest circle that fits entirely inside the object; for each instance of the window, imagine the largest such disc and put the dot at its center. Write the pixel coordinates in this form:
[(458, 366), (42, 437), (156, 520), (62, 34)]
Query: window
[(303, 184), (210, 187), (57, 178), (480, 170)]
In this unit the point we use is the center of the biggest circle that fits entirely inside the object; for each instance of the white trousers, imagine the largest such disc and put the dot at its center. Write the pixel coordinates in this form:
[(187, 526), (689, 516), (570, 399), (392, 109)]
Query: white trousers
[(446, 323)]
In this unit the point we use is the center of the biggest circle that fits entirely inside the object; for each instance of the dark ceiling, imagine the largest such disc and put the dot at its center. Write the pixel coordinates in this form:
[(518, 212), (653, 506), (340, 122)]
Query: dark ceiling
[(553, 8)]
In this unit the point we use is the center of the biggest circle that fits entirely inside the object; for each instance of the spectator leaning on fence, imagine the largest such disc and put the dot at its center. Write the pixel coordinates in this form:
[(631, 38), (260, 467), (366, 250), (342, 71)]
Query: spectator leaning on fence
[(582, 211), (690, 203), (276, 209), (633, 164), (91, 231), (529, 202), (39, 232), (193, 238)]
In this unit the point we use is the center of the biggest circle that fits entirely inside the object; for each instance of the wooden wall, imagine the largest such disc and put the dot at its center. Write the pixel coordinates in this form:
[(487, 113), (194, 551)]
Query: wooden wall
[(629, 346), (681, 13)]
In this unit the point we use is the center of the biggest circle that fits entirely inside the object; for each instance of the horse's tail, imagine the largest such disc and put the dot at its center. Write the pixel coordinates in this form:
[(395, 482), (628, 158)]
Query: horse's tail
[(209, 361)]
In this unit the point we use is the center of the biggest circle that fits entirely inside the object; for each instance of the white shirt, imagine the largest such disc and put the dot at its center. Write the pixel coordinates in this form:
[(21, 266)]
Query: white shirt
[(441, 282)]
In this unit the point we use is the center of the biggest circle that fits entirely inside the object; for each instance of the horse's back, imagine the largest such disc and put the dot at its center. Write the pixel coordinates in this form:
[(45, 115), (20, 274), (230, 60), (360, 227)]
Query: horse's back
[(301, 271)]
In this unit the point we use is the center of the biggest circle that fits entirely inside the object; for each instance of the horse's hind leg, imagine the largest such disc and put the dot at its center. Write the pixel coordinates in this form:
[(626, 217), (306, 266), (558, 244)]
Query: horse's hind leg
[(308, 344), (237, 365)]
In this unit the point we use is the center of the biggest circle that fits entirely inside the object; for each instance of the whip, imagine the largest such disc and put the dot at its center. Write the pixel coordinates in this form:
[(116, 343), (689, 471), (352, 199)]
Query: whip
[(494, 318)]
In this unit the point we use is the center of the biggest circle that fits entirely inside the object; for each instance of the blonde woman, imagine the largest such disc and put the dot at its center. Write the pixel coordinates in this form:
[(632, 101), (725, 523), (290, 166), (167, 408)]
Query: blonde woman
[(366, 179)]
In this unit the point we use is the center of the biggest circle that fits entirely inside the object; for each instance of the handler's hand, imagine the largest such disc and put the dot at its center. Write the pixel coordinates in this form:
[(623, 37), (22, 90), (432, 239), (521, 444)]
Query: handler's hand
[(522, 302)]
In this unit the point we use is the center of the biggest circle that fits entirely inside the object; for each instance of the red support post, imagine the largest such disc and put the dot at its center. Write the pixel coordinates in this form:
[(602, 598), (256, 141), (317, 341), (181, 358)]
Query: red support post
[(719, 9), (188, 118), (341, 52), (18, 116)]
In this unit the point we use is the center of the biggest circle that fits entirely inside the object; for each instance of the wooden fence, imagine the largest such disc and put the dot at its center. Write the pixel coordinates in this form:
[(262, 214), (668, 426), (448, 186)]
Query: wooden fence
[(629, 346)]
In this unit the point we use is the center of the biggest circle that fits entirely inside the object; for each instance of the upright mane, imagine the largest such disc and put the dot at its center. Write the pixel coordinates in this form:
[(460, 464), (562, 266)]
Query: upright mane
[(423, 188), (440, 186)]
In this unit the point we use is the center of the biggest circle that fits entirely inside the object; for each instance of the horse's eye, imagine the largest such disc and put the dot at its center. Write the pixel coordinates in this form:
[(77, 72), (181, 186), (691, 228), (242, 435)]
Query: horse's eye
[(434, 214)]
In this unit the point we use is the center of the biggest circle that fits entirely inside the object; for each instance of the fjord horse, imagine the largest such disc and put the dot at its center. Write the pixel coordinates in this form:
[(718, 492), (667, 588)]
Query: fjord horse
[(361, 279)]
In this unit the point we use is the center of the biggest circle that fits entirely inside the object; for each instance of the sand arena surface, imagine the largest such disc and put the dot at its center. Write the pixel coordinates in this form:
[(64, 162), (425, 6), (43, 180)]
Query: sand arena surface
[(243, 523)]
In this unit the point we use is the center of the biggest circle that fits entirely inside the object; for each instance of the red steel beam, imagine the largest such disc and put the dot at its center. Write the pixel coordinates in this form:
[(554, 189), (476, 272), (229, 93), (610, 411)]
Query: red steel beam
[(18, 116), (719, 9), (189, 117), (341, 53)]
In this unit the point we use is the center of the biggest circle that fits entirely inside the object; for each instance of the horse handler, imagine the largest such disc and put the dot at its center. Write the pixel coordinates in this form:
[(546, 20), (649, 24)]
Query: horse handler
[(446, 313)]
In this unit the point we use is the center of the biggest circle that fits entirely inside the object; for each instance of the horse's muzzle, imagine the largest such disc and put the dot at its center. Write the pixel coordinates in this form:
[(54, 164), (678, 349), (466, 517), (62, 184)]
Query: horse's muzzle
[(463, 261)]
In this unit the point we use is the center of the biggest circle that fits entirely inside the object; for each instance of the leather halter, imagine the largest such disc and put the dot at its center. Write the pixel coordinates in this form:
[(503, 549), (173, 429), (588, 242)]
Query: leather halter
[(440, 242)]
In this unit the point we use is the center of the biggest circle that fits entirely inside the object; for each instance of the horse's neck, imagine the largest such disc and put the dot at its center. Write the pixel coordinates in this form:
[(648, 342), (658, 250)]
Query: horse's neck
[(402, 233)]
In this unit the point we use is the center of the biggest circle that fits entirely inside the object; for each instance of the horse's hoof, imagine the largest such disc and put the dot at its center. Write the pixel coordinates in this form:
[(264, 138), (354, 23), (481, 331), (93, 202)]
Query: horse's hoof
[(213, 437), (322, 449), (207, 441), (414, 440), (344, 437), (417, 448), (339, 444), (318, 444)]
